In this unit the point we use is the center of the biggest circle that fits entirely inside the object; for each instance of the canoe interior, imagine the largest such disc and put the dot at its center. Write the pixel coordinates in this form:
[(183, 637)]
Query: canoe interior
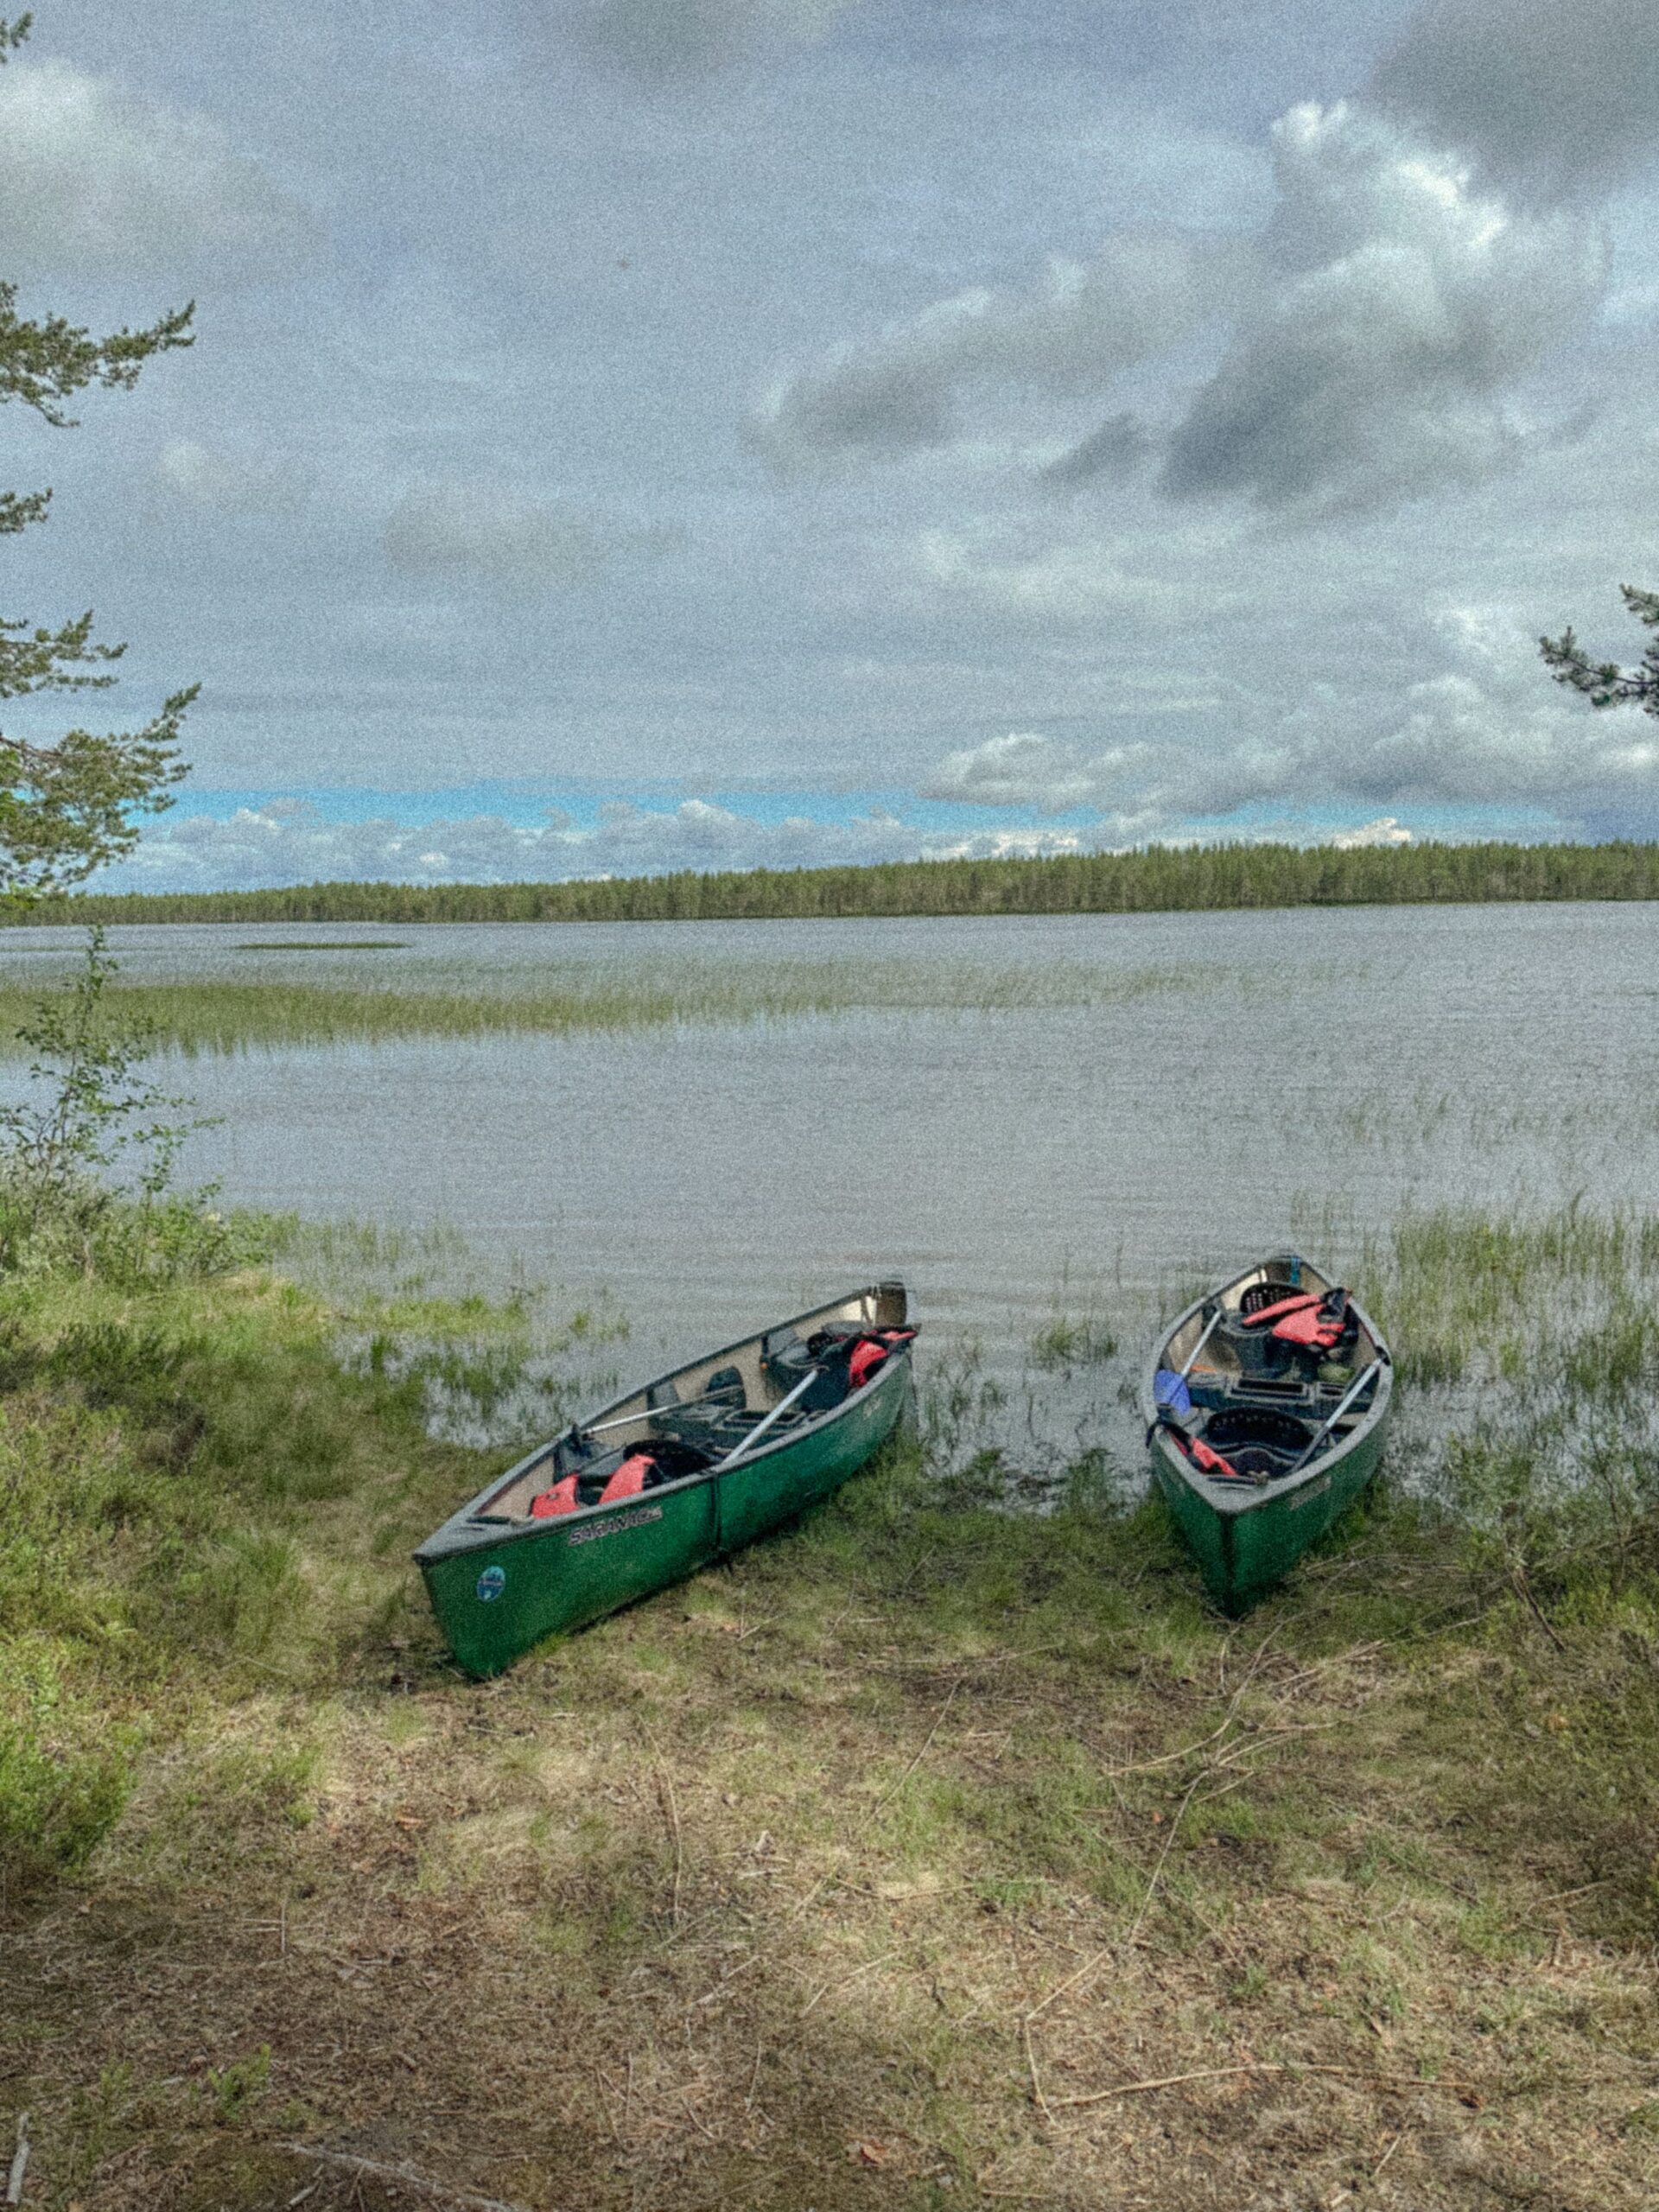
[(647, 1413), (500, 1578), (1247, 1536)]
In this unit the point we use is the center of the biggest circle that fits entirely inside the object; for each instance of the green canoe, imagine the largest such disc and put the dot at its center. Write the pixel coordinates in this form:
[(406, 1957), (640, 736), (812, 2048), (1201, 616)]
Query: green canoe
[(1298, 1431), (719, 1451)]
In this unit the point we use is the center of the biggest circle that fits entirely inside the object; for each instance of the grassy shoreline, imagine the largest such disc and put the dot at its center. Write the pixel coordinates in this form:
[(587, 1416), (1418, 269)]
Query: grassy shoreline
[(871, 1868), (1158, 880)]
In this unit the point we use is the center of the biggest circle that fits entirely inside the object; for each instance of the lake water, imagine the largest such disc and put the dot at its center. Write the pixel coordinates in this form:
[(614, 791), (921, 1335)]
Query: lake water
[(1238, 1082)]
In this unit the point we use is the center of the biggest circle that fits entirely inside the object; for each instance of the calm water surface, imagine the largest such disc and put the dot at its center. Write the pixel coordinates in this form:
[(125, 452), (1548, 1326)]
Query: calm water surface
[(1286, 1076)]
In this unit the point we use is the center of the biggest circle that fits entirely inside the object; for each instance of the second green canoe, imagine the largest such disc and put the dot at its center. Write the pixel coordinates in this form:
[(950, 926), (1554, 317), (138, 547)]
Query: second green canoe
[(652, 1487), (1298, 1430)]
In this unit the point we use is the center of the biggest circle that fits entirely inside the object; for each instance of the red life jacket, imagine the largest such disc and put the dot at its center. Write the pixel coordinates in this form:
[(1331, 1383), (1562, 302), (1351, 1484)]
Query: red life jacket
[(1205, 1457), (870, 1352), (630, 1477), (1297, 1303), (1312, 1329), (561, 1498)]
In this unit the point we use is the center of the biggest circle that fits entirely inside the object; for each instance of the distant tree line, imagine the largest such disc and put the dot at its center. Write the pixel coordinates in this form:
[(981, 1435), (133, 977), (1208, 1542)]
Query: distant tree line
[(1162, 879)]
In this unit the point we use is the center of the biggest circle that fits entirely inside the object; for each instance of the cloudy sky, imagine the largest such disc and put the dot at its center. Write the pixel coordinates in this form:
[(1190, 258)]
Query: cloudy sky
[(639, 433)]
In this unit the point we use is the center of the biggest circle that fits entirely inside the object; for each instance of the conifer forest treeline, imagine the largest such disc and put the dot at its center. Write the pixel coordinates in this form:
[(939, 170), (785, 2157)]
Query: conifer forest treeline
[(1162, 879)]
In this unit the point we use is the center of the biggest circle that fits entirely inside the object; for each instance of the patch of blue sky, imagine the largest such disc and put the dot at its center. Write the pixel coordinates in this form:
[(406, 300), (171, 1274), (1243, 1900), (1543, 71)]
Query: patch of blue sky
[(532, 805)]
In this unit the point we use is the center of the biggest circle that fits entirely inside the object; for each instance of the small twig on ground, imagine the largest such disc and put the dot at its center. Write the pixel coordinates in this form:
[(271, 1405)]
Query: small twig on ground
[(709, 1995), (868, 1967), (882, 1805), (1071, 1980), (1323, 1666), (406, 2177), (904, 1585), (1523, 1589), (679, 1845), (1387, 2154), (686, 2099), (1170, 1758), (19, 2163), (1561, 1896), (1217, 2073), (1158, 1871), (1036, 2096)]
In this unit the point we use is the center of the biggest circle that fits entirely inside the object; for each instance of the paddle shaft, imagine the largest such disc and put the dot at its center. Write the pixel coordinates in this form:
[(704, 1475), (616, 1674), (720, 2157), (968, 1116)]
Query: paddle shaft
[(758, 1432), (627, 1420), (1374, 1369), (1209, 1330)]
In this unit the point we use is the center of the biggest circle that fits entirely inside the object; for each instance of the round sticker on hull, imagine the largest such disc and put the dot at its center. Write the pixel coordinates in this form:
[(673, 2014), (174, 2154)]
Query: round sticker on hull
[(491, 1583)]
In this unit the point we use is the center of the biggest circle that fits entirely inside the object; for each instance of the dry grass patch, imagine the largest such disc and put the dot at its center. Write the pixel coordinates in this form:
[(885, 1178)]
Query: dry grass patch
[(918, 1858)]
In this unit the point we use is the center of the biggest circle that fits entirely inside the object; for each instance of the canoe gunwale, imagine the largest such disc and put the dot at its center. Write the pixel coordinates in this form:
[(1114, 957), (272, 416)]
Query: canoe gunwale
[(464, 1531), (1226, 1498)]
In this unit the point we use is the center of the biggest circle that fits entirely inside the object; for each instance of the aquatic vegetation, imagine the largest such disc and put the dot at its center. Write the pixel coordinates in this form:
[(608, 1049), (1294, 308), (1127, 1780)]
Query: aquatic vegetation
[(1068, 1340), (207, 1017)]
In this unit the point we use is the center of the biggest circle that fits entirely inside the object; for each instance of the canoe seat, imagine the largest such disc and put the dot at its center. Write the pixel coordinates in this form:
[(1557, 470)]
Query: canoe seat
[(784, 1357), (1261, 1442), (716, 1430), (725, 1386)]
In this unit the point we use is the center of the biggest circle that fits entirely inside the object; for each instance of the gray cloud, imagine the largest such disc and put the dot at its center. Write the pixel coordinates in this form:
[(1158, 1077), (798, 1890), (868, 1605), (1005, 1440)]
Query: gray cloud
[(1072, 332), (1548, 93), (1109, 455), (543, 281), (95, 182), (659, 39), (1407, 302), (489, 533)]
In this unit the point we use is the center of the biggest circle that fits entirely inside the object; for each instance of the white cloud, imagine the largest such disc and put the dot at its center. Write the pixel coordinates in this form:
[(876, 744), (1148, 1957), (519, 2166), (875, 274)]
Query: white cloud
[(287, 841), (1485, 729), (225, 483), (1408, 304), (1074, 331), (1382, 832), (489, 532), (1027, 770), (96, 183)]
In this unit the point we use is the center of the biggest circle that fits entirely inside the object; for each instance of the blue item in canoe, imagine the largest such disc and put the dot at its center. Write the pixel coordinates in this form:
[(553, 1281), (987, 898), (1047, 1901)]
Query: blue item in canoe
[(1169, 1392)]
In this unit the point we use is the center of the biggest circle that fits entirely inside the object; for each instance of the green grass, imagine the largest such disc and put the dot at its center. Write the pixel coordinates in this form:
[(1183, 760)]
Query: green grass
[(194, 1018), (836, 1875)]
